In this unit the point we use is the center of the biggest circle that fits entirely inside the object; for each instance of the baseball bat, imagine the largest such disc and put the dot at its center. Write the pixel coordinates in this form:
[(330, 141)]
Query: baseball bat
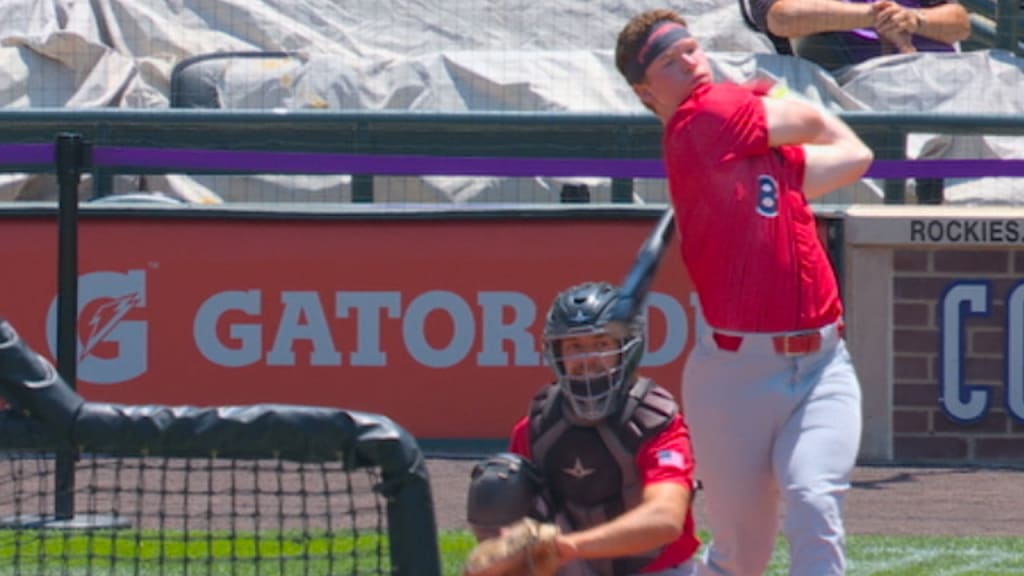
[(637, 284)]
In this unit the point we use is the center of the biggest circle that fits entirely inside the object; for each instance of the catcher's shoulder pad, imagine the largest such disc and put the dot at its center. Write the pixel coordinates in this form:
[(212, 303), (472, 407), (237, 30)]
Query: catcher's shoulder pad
[(543, 409), (649, 408)]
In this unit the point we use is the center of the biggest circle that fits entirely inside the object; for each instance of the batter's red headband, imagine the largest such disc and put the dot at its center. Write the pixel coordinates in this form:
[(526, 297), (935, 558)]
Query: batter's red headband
[(663, 35)]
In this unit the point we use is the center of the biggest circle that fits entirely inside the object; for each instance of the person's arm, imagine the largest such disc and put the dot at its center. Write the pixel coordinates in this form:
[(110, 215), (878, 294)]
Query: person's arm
[(793, 18), (791, 121), (946, 23), (665, 465), (656, 521), (837, 158), (834, 155)]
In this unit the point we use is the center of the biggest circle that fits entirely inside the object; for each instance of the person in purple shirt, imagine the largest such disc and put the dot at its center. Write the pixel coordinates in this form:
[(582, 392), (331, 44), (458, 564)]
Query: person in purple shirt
[(836, 33)]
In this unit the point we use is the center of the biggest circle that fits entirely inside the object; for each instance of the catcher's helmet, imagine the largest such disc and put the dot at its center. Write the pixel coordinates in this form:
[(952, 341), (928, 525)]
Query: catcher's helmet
[(503, 488), (583, 310)]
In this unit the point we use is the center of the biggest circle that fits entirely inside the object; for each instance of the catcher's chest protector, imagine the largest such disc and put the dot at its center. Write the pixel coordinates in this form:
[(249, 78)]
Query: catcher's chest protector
[(590, 471)]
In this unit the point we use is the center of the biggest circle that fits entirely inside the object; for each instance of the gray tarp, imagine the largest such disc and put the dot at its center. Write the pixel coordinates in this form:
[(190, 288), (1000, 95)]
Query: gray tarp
[(447, 56), (964, 83)]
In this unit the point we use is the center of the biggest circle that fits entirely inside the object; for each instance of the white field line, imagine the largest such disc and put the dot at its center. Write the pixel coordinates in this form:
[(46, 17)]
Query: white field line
[(895, 559), (891, 559)]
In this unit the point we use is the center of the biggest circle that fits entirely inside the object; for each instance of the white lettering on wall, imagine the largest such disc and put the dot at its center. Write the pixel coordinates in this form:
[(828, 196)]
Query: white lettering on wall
[(1015, 351), (502, 324), (961, 401), (676, 328), (303, 319), (246, 337), (516, 332), (368, 306), (416, 318)]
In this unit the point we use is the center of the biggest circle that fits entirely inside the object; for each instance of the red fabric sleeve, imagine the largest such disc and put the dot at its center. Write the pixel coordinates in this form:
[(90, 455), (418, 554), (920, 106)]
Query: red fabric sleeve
[(726, 122), (759, 86), (668, 457), (519, 443)]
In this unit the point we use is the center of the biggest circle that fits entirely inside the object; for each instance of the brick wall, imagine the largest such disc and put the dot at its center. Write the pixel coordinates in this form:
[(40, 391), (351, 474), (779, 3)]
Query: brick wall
[(922, 430)]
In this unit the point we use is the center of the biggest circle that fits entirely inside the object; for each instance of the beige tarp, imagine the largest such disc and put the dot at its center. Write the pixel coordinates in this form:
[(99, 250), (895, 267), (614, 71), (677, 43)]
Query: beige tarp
[(449, 56)]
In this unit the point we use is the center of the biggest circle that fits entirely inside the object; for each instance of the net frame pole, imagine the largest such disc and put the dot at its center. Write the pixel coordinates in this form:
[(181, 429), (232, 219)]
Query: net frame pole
[(68, 159)]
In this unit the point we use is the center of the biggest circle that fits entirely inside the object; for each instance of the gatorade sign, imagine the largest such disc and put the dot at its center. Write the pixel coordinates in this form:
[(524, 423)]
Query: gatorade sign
[(434, 323)]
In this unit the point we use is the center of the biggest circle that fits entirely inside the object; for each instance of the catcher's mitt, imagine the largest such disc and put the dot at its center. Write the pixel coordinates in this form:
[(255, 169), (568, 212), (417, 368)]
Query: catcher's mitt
[(526, 548)]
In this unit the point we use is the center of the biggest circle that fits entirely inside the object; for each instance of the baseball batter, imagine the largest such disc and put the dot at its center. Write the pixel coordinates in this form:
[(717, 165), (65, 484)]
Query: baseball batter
[(769, 390)]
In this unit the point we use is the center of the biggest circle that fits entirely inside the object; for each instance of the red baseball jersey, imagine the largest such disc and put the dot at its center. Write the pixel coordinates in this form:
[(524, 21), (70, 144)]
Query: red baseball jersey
[(665, 458), (748, 237)]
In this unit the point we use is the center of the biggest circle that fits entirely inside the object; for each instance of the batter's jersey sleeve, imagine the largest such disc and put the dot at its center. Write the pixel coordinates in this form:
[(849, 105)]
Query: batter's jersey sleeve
[(723, 122)]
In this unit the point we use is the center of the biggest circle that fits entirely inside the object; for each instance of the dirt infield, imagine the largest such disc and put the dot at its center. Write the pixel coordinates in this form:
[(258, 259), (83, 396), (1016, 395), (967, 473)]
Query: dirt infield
[(884, 501)]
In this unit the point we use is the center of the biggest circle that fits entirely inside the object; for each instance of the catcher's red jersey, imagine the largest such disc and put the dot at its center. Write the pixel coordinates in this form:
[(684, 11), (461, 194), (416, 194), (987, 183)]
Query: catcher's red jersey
[(665, 458), (753, 271)]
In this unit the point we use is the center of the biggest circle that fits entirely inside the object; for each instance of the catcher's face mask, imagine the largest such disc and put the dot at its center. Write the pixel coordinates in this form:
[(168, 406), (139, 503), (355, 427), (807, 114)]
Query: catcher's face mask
[(591, 371), (592, 367)]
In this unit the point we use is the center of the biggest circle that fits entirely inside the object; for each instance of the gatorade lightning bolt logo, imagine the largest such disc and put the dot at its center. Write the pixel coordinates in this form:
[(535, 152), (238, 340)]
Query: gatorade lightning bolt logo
[(115, 294), (105, 319)]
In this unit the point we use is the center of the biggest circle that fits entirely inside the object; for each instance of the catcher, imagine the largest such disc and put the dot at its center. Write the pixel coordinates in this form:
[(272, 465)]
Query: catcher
[(613, 478)]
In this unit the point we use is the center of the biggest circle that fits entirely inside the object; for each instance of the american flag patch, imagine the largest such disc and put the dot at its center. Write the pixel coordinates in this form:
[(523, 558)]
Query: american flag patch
[(671, 458)]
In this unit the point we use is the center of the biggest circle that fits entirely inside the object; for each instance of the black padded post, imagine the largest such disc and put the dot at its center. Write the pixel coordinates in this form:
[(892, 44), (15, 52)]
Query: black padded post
[(69, 158)]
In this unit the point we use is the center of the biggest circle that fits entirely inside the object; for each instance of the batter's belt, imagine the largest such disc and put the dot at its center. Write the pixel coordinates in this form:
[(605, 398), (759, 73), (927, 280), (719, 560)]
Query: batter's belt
[(785, 344)]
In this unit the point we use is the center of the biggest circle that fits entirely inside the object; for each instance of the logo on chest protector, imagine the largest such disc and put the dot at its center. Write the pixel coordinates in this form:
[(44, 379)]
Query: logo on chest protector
[(578, 471), (767, 196)]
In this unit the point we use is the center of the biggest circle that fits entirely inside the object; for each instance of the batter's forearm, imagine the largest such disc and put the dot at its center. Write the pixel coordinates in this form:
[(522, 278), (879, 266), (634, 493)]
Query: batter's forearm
[(793, 18)]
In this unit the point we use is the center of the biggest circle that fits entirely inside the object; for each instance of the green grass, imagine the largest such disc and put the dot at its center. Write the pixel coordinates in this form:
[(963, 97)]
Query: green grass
[(933, 556), (866, 555), (130, 552)]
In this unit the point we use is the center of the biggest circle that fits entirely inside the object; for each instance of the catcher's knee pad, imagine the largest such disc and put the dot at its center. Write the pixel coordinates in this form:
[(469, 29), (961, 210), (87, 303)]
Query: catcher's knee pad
[(504, 488)]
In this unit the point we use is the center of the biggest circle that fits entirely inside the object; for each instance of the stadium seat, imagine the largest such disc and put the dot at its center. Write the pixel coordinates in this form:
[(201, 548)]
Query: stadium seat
[(782, 45), (196, 81), (138, 198)]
